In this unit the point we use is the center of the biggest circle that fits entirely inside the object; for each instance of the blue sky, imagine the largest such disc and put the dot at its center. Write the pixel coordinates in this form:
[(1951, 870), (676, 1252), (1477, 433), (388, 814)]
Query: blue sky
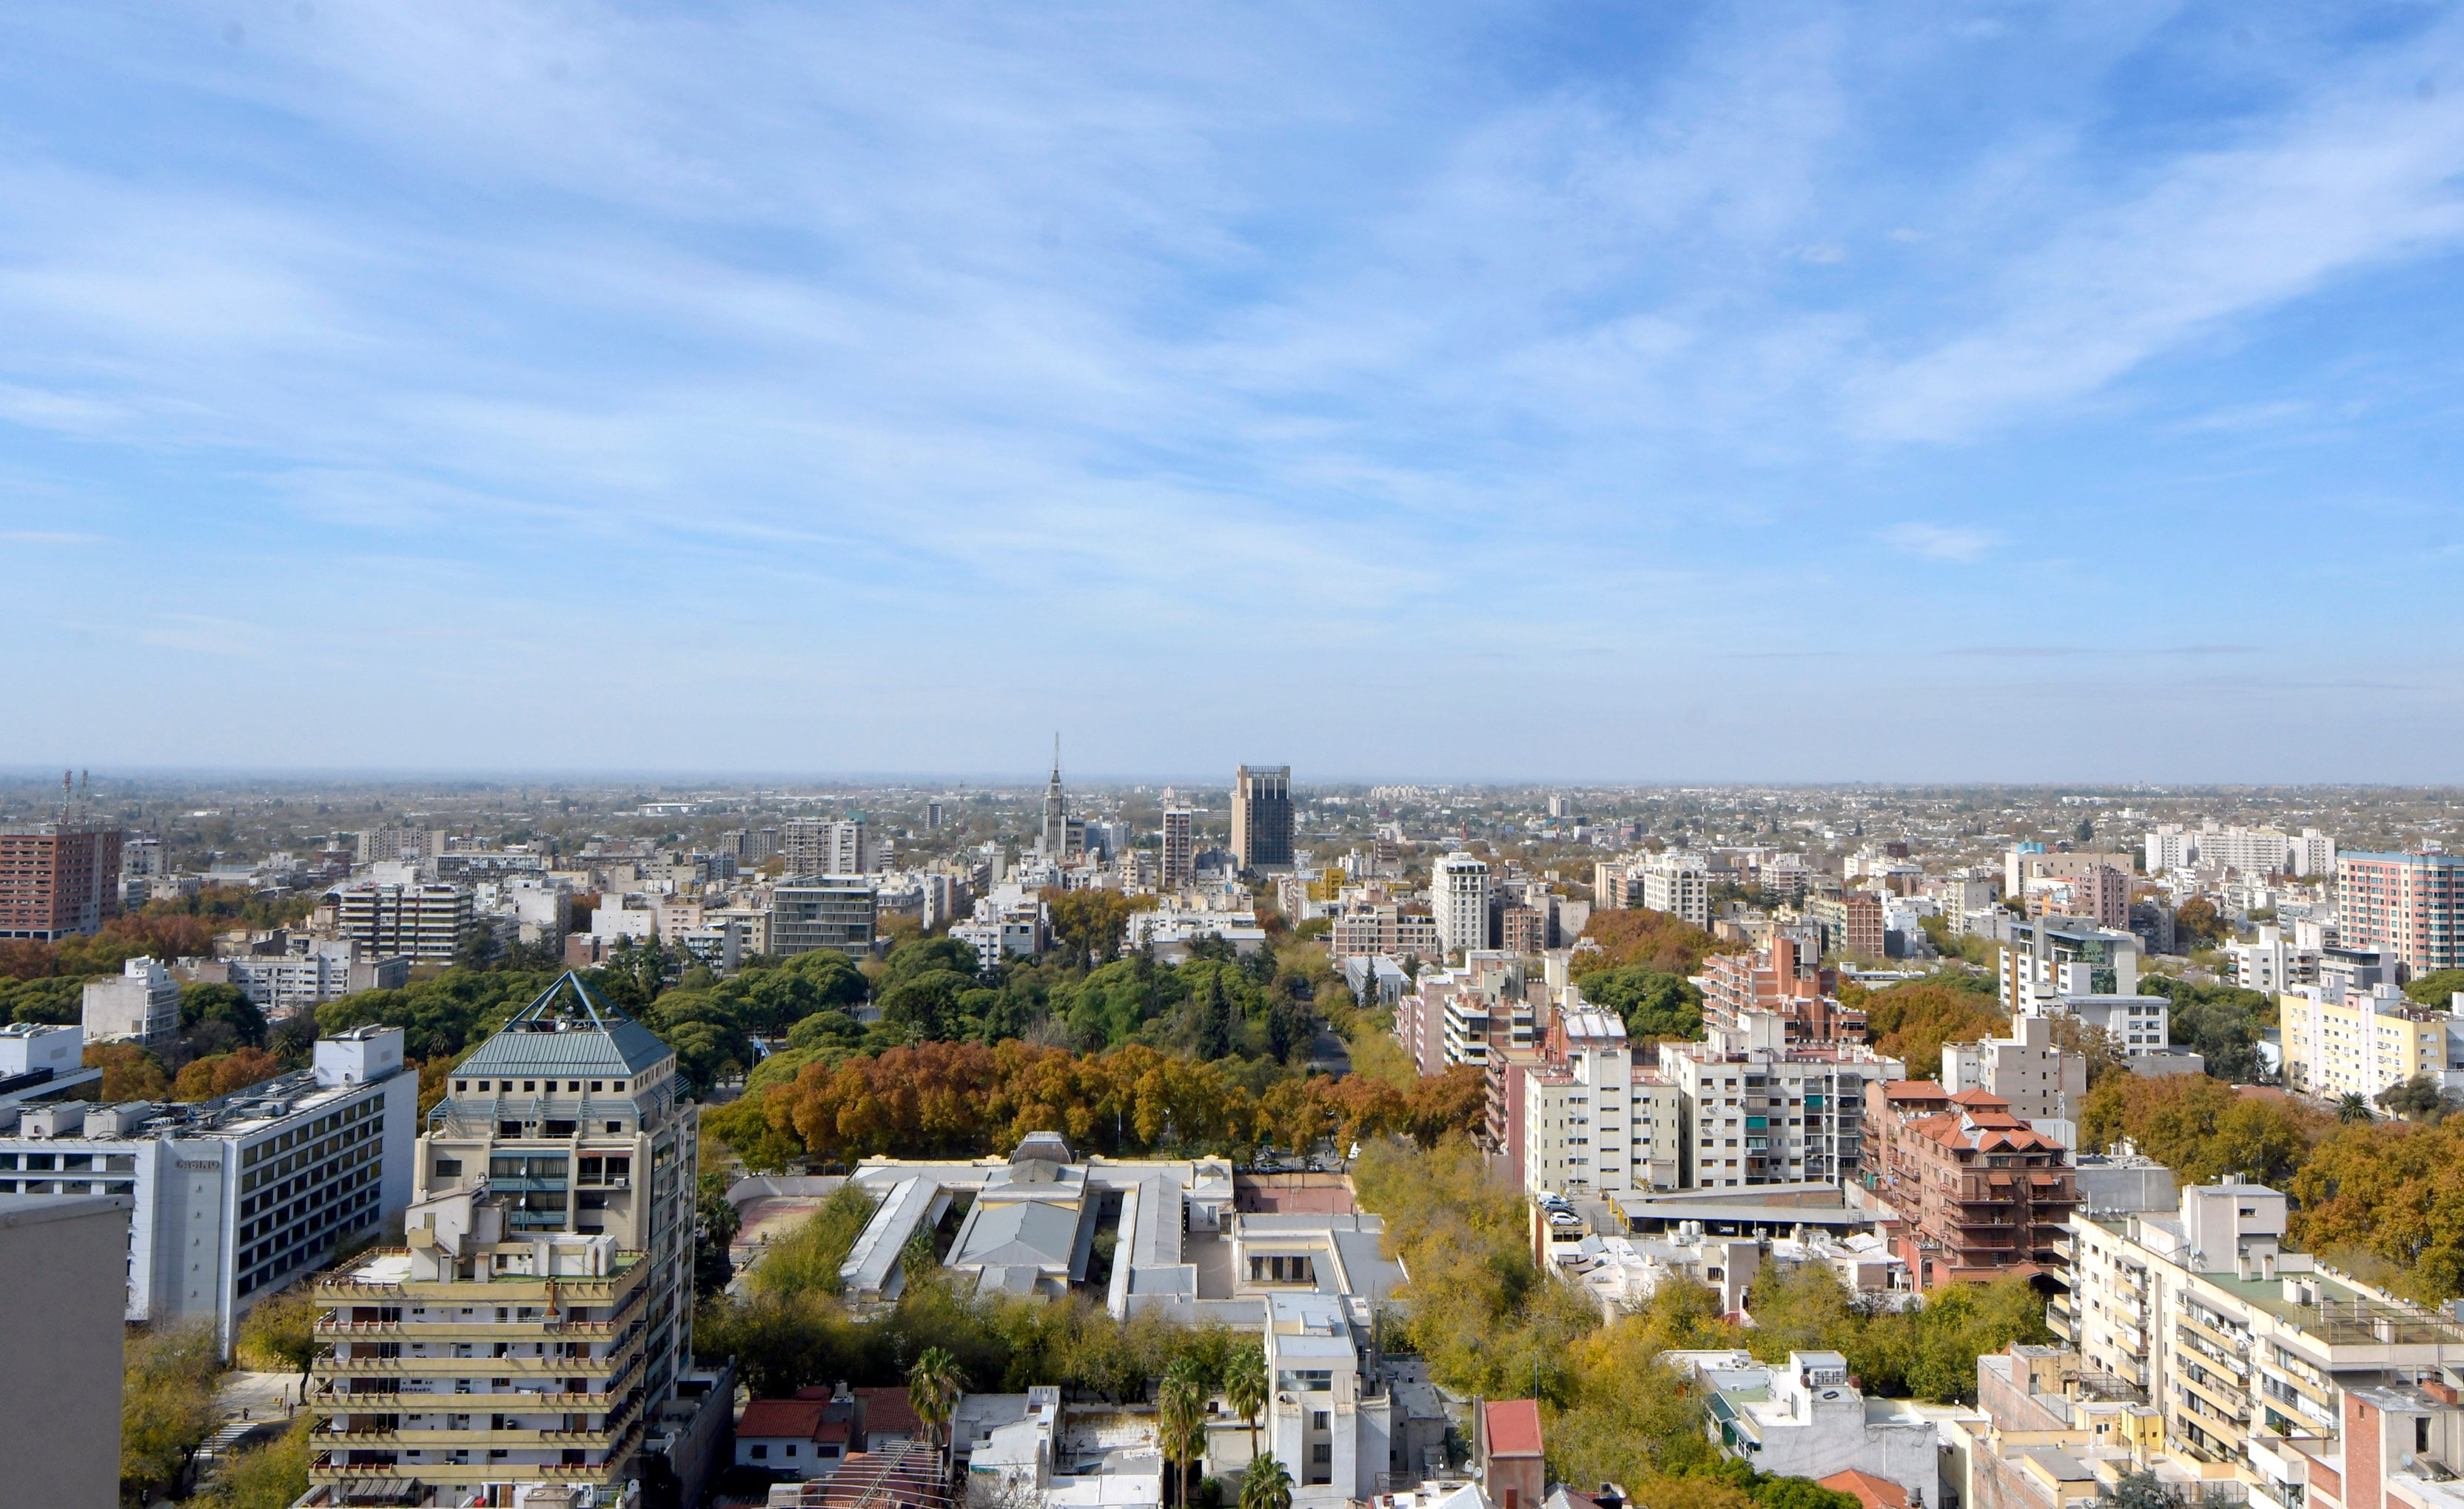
[(2060, 392)]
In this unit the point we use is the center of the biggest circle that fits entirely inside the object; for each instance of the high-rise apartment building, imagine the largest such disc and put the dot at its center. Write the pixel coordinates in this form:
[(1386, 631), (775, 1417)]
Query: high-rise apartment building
[(2035, 1077), (1760, 1111), (839, 913), (235, 1196), (2340, 1041), (1261, 817), (2404, 904), (2053, 957), (750, 845), (57, 880), (398, 845), (1179, 850), (1458, 901), (544, 1309), (1680, 885), (424, 924), (815, 846)]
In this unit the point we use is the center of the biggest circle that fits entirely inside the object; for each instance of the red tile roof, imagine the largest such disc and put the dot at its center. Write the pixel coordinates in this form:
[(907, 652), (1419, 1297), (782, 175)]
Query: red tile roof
[(1513, 1427), (1874, 1492), (886, 1410), (780, 1419)]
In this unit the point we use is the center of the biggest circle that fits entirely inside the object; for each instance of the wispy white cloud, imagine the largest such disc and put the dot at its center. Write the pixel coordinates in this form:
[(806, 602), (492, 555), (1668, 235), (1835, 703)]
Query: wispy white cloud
[(1125, 333), (1940, 542)]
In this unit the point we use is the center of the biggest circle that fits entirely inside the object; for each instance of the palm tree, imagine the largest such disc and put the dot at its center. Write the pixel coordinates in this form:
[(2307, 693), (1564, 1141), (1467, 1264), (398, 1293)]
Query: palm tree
[(2353, 1108), (933, 1388), (1245, 1384), (1181, 1419), (1267, 1486)]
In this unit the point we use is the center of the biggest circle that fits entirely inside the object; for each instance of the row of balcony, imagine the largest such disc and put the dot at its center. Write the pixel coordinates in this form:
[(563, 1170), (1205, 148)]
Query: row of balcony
[(327, 1396), (511, 1366), (448, 1330), (445, 1438)]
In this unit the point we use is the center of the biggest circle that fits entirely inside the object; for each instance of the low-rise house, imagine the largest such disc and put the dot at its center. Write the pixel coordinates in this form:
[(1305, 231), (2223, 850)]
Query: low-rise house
[(1808, 1419), (796, 1439)]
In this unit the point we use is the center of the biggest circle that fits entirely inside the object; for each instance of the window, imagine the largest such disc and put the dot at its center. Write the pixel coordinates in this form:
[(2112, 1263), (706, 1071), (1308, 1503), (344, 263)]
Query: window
[(761, 1453), (1322, 1454), (1319, 1420), (448, 1168)]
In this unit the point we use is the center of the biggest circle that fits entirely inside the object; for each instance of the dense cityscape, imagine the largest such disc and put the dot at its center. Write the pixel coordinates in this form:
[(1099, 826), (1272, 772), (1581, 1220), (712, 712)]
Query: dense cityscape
[(761, 754), (1149, 1142)]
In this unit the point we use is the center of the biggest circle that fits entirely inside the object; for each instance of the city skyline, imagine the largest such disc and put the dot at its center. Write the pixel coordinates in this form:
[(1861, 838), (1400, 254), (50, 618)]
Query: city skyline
[(2001, 397)]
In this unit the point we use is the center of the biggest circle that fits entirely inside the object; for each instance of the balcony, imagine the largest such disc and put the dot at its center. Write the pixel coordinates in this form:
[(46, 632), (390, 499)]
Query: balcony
[(536, 1329), (323, 1395), (443, 1438), (325, 1466), (504, 1288), (465, 1366)]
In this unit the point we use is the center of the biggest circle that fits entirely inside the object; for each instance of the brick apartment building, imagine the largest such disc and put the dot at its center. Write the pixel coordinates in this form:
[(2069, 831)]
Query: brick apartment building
[(1786, 979), (1978, 1190), (2405, 904), (57, 880)]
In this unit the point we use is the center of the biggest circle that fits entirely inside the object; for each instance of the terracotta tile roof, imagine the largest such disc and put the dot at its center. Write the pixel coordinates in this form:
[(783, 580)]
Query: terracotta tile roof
[(1914, 1090), (1513, 1427), (1980, 1100), (780, 1419), (1874, 1492), (886, 1410)]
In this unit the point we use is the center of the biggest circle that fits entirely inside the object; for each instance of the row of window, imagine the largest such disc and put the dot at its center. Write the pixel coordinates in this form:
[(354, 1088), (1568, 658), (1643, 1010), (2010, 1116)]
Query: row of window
[(72, 1162), (533, 1086), (65, 1187)]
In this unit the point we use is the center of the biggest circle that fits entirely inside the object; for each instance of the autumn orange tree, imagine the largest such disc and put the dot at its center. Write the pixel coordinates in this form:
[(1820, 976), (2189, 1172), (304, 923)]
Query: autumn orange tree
[(2202, 1127), (2387, 1202), (960, 1099), (1913, 1020), (221, 1073), (1637, 935)]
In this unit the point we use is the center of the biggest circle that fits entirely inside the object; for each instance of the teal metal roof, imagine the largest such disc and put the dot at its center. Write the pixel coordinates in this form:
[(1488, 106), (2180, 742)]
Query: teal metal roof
[(568, 1031)]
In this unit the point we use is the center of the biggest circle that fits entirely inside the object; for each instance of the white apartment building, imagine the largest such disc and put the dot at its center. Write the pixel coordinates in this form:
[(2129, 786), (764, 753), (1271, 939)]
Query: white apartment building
[(2040, 1080), (2052, 956), (233, 1197), (2142, 1024), (142, 1005), (1679, 884), (2271, 963), (424, 924), (814, 846), (314, 970), (1577, 1110), (2246, 1349), (1458, 901), (1760, 1113), (1009, 924), (2249, 851)]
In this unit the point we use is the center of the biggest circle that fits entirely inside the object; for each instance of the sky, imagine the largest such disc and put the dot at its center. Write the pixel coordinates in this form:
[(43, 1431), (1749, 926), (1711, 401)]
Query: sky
[(1763, 392)]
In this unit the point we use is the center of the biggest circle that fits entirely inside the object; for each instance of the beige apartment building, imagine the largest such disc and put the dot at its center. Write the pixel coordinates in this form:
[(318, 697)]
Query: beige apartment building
[(542, 1311)]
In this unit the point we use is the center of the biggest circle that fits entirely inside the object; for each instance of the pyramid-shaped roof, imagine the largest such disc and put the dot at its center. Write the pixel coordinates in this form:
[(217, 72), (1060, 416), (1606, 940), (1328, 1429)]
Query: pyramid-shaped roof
[(568, 1031)]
